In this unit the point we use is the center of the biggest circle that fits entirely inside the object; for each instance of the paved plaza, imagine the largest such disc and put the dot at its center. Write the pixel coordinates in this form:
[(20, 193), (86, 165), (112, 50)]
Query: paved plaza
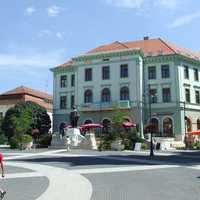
[(91, 175)]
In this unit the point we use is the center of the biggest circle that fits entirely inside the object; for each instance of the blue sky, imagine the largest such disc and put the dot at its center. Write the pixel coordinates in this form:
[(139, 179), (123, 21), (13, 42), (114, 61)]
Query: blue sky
[(38, 35)]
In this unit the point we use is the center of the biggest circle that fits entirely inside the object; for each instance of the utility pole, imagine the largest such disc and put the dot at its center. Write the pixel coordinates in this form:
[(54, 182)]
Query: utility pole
[(150, 124)]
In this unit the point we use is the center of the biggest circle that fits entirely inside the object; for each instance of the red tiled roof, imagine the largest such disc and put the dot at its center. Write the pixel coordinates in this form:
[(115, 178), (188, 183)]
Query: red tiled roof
[(150, 47), (26, 90)]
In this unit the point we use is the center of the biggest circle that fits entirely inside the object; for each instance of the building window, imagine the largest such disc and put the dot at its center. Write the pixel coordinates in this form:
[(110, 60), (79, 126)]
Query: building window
[(152, 72), (165, 71), (166, 93), (72, 80), (198, 124), (153, 95), (186, 72), (105, 72), (187, 95), (88, 74), (72, 101), (155, 124), (168, 127), (124, 93), (124, 71), (63, 81), (88, 96), (197, 97), (105, 95), (196, 74), (63, 102)]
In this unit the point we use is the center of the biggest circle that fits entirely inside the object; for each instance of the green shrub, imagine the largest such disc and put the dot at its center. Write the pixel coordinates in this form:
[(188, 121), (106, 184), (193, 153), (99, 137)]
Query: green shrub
[(45, 140), (105, 143), (17, 140), (14, 142), (25, 138), (196, 145), (3, 139), (144, 146)]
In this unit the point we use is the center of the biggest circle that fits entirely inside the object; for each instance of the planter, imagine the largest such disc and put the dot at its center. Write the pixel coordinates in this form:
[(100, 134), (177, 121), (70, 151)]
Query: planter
[(26, 145), (117, 145)]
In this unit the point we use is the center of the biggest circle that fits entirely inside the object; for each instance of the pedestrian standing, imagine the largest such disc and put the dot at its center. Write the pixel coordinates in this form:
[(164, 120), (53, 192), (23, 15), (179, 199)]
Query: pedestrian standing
[(2, 191)]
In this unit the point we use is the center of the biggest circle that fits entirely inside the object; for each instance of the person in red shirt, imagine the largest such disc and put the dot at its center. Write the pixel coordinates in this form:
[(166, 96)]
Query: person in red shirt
[(2, 192)]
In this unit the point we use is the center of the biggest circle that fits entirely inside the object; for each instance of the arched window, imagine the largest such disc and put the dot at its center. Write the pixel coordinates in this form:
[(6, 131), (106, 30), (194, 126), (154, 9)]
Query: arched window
[(155, 124), (198, 124), (188, 123), (106, 126), (124, 93), (168, 127), (88, 121), (105, 95), (88, 96)]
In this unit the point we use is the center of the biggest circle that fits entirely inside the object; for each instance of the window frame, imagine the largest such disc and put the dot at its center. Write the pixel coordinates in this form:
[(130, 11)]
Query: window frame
[(124, 71), (165, 71), (72, 80), (88, 99), (154, 97), (151, 75), (105, 98), (124, 96), (63, 105), (186, 72), (63, 81), (105, 72), (196, 74), (197, 96), (187, 95), (88, 74), (166, 98)]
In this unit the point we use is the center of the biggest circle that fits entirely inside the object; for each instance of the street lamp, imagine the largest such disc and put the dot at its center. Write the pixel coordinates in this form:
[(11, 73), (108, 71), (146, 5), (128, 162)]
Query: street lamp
[(150, 122)]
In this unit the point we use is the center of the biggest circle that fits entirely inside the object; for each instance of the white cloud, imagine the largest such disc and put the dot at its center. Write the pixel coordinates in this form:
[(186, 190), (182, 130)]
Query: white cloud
[(49, 33), (44, 33), (53, 11), (139, 4), (59, 35), (184, 20), (126, 3), (170, 4), (30, 10)]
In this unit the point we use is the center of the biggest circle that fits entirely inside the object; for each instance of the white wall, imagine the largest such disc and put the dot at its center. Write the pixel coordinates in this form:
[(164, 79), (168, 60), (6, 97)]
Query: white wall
[(4, 108)]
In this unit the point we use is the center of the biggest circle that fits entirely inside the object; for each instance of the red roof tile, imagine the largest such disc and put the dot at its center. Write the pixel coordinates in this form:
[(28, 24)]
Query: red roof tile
[(150, 47), (26, 90)]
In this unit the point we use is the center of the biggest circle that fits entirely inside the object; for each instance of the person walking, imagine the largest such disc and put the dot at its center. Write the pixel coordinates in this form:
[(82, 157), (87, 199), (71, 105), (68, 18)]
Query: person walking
[(2, 191), (68, 143)]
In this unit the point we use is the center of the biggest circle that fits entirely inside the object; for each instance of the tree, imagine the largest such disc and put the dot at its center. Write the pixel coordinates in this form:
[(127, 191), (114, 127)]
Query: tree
[(25, 117)]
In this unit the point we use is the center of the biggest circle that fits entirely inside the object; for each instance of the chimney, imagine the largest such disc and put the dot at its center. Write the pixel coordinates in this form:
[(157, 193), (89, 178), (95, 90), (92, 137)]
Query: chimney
[(146, 37)]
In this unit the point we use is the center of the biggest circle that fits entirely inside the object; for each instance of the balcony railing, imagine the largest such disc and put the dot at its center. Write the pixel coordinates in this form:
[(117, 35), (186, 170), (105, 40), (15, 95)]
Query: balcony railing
[(97, 106)]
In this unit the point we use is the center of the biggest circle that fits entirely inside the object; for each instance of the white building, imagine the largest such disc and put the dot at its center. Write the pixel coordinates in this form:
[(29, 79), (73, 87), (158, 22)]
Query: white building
[(129, 74)]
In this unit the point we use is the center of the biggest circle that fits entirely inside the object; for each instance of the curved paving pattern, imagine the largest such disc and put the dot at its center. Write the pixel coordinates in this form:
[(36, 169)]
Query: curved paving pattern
[(61, 181)]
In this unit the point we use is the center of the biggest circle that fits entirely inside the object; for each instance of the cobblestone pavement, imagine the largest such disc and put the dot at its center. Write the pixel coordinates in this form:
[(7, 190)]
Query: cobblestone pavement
[(88, 175)]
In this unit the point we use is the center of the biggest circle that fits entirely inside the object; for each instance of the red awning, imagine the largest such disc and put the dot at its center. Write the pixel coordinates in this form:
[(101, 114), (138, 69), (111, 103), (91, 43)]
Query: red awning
[(128, 125), (88, 126), (197, 132)]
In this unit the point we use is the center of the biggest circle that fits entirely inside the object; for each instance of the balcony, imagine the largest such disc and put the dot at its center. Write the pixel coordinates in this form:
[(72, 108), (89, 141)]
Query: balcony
[(99, 106)]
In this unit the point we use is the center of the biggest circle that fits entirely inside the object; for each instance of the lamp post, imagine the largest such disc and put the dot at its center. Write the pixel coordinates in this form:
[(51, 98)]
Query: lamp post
[(150, 127)]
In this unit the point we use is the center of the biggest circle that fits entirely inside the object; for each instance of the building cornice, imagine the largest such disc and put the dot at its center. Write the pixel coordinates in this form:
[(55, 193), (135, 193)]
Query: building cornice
[(87, 59), (170, 58), (108, 54)]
